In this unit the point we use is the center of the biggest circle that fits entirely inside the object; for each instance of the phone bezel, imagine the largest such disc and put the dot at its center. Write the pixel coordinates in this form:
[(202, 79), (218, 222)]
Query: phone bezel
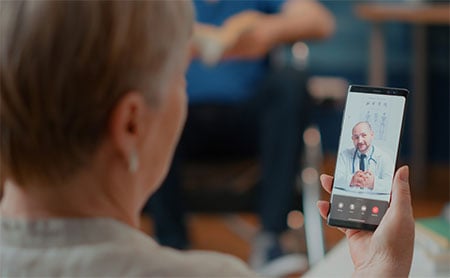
[(379, 91)]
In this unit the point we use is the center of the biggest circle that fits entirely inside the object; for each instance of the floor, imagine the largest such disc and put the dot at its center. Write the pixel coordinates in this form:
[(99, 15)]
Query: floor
[(231, 232)]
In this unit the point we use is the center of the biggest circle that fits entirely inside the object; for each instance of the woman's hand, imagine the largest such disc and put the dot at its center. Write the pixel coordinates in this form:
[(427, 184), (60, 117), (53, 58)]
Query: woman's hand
[(388, 251)]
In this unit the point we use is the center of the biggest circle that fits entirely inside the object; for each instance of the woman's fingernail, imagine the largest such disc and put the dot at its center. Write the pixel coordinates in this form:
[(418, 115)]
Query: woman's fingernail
[(404, 174)]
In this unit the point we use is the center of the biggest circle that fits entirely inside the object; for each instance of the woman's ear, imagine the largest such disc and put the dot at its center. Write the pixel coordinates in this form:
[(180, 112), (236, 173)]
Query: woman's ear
[(128, 125)]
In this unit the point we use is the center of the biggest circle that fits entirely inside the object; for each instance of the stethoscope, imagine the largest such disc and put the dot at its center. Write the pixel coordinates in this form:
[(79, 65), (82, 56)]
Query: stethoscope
[(368, 160)]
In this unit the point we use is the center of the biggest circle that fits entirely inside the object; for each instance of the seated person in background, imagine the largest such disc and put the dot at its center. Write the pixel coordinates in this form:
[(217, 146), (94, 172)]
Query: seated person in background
[(364, 168), (240, 107), (92, 103)]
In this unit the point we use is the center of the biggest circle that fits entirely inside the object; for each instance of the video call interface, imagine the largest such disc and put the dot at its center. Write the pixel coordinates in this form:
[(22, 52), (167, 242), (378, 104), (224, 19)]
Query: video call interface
[(366, 159)]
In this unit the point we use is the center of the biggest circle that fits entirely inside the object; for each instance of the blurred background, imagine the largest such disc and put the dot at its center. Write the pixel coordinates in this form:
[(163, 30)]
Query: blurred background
[(372, 45)]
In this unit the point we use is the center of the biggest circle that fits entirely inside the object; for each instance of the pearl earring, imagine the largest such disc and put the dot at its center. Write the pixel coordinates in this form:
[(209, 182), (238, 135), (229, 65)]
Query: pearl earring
[(133, 162)]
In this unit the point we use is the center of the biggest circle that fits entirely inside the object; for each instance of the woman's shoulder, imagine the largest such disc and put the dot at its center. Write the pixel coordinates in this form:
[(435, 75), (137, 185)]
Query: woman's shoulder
[(104, 248), (137, 254), (163, 261)]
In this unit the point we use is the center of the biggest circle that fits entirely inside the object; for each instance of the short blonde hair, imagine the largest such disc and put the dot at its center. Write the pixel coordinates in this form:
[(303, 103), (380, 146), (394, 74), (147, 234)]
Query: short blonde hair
[(63, 67)]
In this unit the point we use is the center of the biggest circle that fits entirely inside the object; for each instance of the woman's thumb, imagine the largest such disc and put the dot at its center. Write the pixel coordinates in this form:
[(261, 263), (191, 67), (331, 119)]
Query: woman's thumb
[(401, 193)]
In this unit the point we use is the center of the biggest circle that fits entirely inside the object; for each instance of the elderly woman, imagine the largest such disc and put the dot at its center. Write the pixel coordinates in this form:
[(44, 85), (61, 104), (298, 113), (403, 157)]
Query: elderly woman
[(92, 104)]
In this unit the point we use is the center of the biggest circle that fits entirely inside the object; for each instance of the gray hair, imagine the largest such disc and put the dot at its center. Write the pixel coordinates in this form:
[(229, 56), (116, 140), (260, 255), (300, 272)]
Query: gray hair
[(63, 67)]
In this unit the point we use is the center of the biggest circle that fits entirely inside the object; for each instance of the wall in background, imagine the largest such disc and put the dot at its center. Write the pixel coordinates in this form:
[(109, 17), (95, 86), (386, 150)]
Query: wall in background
[(346, 55)]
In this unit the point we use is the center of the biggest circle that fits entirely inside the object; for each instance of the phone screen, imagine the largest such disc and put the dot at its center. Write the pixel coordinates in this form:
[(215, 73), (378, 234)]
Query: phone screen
[(367, 155)]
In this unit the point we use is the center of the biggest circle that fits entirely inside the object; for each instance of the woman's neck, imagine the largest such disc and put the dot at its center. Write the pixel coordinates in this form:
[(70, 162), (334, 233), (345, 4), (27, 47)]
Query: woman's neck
[(79, 199)]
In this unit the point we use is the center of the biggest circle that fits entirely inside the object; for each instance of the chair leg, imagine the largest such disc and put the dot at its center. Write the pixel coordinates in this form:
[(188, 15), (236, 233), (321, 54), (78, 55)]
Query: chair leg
[(310, 186)]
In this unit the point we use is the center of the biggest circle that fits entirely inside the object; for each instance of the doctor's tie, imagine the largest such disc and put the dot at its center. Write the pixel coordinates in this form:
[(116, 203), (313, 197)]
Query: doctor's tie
[(362, 165)]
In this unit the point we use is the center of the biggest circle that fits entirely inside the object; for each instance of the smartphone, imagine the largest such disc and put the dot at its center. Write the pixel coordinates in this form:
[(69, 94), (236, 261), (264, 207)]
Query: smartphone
[(368, 147)]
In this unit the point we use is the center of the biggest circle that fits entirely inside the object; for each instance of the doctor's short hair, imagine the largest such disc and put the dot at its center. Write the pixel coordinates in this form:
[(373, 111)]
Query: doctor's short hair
[(63, 67), (363, 122)]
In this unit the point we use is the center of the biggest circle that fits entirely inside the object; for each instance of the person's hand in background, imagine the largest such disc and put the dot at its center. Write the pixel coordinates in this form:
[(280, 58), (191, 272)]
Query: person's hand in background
[(252, 34), (207, 43), (237, 38), (388, 251), (246, 39)]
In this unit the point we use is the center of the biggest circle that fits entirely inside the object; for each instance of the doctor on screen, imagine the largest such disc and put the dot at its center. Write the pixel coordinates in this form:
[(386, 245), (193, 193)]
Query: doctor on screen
[(364, 168)]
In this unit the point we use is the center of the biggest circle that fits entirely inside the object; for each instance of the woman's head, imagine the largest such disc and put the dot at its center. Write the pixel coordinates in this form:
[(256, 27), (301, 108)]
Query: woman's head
[(65, 69)]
